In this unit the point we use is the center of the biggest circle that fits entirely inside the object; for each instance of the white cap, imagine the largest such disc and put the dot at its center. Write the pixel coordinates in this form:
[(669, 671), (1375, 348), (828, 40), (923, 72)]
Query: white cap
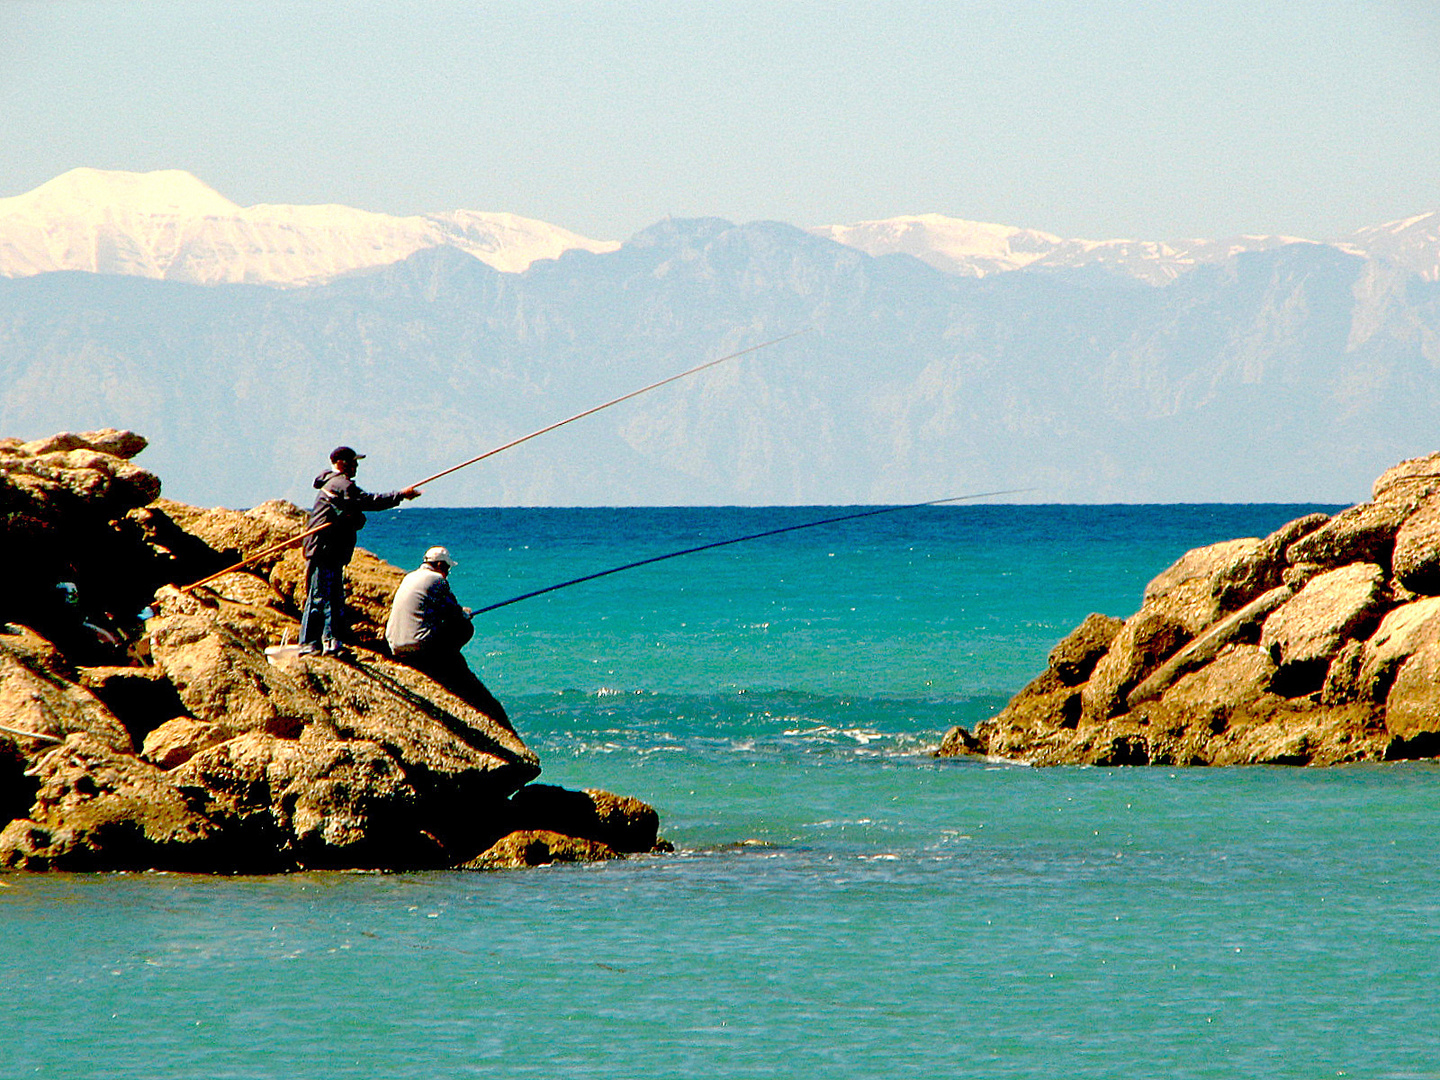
[(440, 555)]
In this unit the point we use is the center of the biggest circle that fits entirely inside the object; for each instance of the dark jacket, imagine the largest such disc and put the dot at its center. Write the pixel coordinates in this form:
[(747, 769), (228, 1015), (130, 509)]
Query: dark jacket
[(340, 507)]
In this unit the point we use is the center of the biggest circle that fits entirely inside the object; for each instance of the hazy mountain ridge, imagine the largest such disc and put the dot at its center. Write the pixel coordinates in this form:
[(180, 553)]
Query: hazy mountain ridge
[(1293, 373)]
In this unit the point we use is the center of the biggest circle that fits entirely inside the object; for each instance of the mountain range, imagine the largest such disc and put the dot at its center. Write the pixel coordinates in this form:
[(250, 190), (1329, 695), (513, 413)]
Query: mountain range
[(942, 356)]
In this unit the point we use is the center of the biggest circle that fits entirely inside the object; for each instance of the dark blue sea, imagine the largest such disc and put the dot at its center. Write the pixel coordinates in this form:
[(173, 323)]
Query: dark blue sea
[(841, 904)]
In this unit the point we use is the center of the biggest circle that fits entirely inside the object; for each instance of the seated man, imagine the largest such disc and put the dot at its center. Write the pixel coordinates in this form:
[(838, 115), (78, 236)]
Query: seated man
[(427, 627)]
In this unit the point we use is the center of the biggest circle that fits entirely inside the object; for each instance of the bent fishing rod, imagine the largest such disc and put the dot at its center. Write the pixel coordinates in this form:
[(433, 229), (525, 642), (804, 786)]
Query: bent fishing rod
[(276, 548), (741, 540)]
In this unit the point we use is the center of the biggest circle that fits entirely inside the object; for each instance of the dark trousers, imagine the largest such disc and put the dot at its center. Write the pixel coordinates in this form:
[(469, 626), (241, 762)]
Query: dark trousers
[(449, 669), (324, 620)]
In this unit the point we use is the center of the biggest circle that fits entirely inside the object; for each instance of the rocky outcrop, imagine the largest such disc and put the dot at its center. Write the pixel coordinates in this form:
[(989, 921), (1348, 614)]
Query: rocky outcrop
[(169, 738), (1318, 644)]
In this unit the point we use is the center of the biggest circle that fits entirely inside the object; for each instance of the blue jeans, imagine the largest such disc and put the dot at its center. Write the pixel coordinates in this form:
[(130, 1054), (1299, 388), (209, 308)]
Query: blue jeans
[(324, 618)]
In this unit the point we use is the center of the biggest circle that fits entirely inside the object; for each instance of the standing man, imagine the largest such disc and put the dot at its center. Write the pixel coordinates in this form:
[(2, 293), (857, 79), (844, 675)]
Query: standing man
[(427, 628), (340, 509)]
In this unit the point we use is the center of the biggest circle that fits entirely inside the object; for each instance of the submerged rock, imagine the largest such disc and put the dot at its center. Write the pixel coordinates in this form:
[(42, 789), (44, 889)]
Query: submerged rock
[(177, 743), (1318, 644)]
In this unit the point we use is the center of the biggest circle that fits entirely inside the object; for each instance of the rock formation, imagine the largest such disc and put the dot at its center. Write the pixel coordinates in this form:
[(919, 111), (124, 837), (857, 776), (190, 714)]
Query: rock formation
[(143, 725), (1316, 645)]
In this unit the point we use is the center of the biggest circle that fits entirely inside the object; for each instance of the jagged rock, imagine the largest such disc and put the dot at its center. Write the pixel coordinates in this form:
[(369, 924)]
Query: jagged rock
[(1265, 567), (1226, 714), (248, 764), (179, 739), (1294, 676), (1401, 632), (1208, 645), (1417, 477), (620, 822), (1141, 646), (1046, 702), (1416, 558), (958, 742), (1075, 657), (39, 693), (1412, 707), (1342, 677), (1363, 533), (1199, 578), (541, 847), (1299, 575), (223, 679), (140, 697), (116, 443), (1303, 634), (310, 803), (97, 809)]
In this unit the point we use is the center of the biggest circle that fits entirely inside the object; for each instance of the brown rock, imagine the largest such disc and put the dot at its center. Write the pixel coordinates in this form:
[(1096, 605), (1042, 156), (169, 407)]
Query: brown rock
[(1299, 575), (1299, 732), (1416, 558), (314, 803), (1045, 707), (1417, 477), (1308, 630), (1029, 733), (1075, 657), (139, 697), (1143, 644), (1342, 677), (618, 821), (1361, 534), (101, 810), (1401, 632), (120, 444), (1218, 569), (462, 763), (958, 742), (1262, 569), (1225, 714), (1204, 648), (40, 692), (223, 679), (542, 847), (1412, 708), (177, 740)]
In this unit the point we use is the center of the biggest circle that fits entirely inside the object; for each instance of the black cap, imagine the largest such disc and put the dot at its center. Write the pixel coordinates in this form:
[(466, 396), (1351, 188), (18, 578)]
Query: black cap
[(344, 453)]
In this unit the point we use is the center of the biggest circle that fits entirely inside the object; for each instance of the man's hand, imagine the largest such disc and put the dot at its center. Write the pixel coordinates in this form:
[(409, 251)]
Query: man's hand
[(410, 493)]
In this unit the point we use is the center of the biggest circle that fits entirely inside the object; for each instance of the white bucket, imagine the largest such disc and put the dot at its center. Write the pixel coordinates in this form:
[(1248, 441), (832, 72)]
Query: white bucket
[(281, 654)]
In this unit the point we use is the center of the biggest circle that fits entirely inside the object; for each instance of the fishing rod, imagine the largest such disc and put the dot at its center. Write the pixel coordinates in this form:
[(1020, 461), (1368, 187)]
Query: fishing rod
[(740, 540), (616, 401), (292, 541)]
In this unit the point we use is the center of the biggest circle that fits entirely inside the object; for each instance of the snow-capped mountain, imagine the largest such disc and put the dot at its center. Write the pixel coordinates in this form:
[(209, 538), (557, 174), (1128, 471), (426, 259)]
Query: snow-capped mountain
[(977, 249), (1413, 244), (171, 226)]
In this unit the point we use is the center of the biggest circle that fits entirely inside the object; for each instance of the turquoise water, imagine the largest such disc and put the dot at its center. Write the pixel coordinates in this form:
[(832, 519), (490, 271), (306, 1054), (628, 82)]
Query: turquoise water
[(842, 904)]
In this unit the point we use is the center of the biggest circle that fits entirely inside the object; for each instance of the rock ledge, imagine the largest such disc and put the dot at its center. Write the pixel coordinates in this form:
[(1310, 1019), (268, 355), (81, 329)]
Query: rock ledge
[(1316, 645), (168, 739)]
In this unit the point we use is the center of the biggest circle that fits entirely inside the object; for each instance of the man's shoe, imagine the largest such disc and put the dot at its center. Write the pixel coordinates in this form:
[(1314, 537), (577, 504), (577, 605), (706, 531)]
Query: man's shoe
[(339, 652), (308, 650)]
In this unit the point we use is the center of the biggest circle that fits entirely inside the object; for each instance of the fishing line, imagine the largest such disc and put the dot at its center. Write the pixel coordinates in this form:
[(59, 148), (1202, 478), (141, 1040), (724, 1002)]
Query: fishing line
[(741, 540)]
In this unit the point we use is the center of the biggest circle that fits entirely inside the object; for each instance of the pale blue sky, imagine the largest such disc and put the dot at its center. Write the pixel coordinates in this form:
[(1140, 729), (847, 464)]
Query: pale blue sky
[(1154, 119)]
